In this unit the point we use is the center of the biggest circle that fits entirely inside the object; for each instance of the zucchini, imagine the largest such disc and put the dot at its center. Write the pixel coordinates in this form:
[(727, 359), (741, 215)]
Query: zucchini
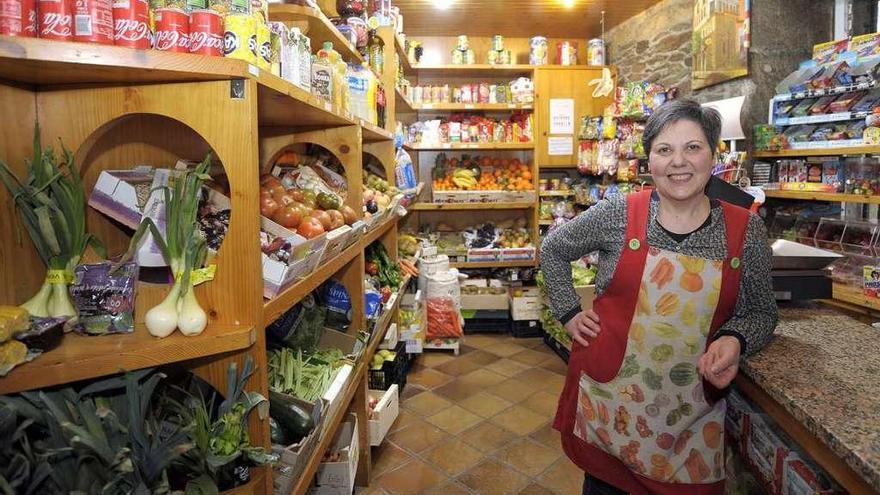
[(277, 435), (293, 419)]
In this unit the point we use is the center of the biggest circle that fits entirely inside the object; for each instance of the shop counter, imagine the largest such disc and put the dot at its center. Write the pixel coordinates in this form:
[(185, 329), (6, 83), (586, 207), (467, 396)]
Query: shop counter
[(820, 380)]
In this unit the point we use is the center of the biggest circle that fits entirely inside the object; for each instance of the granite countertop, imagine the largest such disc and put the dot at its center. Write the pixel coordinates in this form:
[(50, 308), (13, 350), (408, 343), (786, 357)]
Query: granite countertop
[(823, 367)]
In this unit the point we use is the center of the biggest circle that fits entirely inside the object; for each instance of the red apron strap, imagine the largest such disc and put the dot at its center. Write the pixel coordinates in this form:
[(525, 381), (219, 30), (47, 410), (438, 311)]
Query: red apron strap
[(736, 221)]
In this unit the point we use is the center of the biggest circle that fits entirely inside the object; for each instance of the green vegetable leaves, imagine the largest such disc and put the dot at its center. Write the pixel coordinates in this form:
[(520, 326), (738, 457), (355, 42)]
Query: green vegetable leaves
[(630, 367), (652, 380)]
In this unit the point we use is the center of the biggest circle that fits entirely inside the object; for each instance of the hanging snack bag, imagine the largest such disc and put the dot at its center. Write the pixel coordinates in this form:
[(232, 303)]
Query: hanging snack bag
[(104, 298), (608, 156), (609, 124)]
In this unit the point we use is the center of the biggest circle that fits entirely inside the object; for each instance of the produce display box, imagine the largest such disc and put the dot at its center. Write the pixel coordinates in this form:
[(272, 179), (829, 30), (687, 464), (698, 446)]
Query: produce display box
[(526, 304), (392, 372), (292, 459), (587, 294), (487, 321), (443, 344), (337, 478), (519, 254), (557, 347), (483, 255), (337, 241), (483, 196), (526, 329), (350, 346), (384, 414), (391, 338)]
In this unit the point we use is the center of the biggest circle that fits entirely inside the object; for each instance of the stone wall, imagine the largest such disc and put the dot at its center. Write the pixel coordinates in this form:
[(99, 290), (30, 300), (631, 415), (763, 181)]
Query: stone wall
[(656, 46)]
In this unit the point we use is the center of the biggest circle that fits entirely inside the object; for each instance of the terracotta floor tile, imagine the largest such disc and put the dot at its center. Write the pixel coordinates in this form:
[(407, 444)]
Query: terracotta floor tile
[(532, 342), (547, 436), (530, 357), (539, 378), (465, 347), (493, 478), (418, 438), (519, 420), (451, 488), (369, 490), (563, 477), (481, 357), (427, 378), (404, 419), (454, 420), (387, 457), (426, 403), (482, 378), (453, 457), (536, 489), (527, 456), (432, 359), (543, 403), (504, 349), (482, 341), (507, 367), (487, 437), (511, 390), (414, 477), (409, 392), (459, 366), (485, 404), (556, 365), (457, 391)]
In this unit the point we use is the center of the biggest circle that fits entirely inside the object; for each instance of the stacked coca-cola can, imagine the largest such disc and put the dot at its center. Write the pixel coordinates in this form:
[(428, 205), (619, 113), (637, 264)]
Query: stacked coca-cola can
[(18, 18), (131, 26)]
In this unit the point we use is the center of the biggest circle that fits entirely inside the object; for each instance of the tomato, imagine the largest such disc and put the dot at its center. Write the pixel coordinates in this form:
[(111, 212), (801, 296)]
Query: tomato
[(323, 217), (267, 180), (336, 219), (349, 214), (310, 228), (276, 189), (288, 217), (268, 206), (283, 199)]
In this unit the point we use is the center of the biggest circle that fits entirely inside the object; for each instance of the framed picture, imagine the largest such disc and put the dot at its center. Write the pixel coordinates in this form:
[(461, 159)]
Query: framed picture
[(721, 40)]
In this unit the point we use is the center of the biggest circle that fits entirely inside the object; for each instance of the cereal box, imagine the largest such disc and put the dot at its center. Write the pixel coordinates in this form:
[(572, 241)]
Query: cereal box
[(828, 52)]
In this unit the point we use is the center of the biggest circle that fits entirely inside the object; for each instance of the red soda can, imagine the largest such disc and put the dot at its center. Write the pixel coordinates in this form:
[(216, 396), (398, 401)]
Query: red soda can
[(172, 30), (206, 33), (93, 21), (55, 19), (131, 24), (18, 18)]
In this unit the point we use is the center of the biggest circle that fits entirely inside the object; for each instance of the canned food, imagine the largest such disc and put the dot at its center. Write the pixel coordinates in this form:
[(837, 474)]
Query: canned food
[(435, 94), (492, 57), (463, 43), (93, 21), (206, 33), (55, 19), (538, 50), (483, 95), (566, 53), (239, 30), (493, 93), (18, 18), (275, 48), (596, 52), (497, 43), (264, 49), (172, 30), (417, 94), (131, 24), (445, 96)]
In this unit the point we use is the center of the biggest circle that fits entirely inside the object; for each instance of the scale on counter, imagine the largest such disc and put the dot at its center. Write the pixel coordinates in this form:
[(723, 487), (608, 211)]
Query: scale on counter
[(800, 272)]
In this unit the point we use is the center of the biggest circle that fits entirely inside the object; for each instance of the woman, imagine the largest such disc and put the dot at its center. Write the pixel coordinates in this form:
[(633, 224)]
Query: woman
[(684, 291)]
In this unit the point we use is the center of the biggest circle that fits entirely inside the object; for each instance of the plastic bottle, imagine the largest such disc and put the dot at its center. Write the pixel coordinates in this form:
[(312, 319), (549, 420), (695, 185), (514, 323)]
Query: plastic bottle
[(376, 53), (342, 70), (323, 74), (329, 57)]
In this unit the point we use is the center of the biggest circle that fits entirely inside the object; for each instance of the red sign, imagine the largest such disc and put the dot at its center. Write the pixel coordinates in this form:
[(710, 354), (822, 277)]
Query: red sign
[(206, 33), (56, 19), (18, 18), (172, 30), (131, 20), (93, 22)]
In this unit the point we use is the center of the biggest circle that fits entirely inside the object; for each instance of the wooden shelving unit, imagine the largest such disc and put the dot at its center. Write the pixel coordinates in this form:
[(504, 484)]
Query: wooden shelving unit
[(403, 102), (849, 150), (494, 264), (524, 205), (821, 196), (473, 70), (472, 146), (556, 194), (316, 25), (401, 52), (485, 107)]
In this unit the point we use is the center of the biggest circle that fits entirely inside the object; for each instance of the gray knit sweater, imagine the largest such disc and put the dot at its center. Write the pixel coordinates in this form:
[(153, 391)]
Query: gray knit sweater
[(602, 228)]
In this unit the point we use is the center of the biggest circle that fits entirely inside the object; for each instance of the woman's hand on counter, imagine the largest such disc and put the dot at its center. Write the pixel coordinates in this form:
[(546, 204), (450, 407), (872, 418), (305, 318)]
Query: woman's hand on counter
[(720, 363), (583, 326)]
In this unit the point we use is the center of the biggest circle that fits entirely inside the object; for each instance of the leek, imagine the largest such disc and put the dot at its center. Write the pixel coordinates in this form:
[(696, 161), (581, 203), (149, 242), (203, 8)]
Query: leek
[(51, 201), (184, 247)]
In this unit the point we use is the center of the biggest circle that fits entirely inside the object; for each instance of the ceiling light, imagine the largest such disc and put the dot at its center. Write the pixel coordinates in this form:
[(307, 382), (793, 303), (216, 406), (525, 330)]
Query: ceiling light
[(442, 4)]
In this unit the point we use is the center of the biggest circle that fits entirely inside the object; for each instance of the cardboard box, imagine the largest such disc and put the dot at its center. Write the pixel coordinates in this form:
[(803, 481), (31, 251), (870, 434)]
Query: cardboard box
[(800, 476), (384, 414), (391, 337), (337, 478), (766, 450), (525, 304), (483, 255), (586, 293), (737, 419), (485, 301), (294, 458), (350, 346), (518, 254)]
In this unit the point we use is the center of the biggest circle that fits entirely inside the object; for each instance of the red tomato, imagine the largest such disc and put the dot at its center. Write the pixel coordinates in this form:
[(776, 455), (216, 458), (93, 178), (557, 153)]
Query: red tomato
[(310, 227)]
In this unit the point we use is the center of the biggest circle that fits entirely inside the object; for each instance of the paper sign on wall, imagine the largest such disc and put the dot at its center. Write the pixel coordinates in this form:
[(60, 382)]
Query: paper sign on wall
[(561, 116), (557, 146)]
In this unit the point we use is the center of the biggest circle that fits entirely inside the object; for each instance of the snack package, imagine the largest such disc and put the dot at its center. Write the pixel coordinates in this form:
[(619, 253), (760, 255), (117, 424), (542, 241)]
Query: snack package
[(866, 103), (865, 46), (338, 302), (784, 108), (803, 108), (821, 105), (609, 125), (844, 103), (608, 151), (586, 157), (104, 300), (827, 52)]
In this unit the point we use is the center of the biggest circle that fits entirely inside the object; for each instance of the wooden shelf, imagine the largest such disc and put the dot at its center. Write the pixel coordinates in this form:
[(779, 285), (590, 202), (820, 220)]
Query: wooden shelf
[(821, 196), (473, 106), (401, 53), (274, 308), (519, 205), (556, 194), (545, 222), (494, 264), (82, 357), (47, 62), (258, 478), (402, 102), (472, 146), (379, 231), (473, 70), (281, 103), (373, 133), (314, 23), (848, 150)]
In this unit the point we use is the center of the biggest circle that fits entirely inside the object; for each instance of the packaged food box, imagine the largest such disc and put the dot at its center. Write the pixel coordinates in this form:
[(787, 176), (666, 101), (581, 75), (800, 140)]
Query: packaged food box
[(802, 109), (783, 109), (766, 450), (845, 102), (866, 72), (865, 46), (337, 477), (833, 173), (867, 102), (801, 476), (829, 51), (799, 133), (821, 105)]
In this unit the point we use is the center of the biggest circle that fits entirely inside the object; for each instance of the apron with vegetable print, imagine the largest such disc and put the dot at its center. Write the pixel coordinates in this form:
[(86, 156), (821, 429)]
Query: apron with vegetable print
[(634, 411)]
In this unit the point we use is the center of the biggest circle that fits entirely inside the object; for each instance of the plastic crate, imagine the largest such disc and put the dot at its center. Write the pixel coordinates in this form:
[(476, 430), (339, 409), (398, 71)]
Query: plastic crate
[(392, 372), (526, 329), (486, 321), (557, 347)]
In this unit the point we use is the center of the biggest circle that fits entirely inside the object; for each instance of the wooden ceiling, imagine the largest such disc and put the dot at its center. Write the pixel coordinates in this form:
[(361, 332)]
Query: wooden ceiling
[(516, 18)]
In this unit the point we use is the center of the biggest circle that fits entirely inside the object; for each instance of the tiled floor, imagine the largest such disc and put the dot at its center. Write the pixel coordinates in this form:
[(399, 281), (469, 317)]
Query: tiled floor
[(478, 423)]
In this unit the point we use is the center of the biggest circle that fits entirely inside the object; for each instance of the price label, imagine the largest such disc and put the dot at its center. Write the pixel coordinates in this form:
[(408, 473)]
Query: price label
[(254, 70), (428, 106), (429, 251), (468, 106), (446, 146), (472, 146), (328, 106), (511, 105)]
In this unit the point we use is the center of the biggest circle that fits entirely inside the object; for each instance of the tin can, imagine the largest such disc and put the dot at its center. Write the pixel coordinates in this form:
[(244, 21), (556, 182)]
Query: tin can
[(538, 50), (596, 52), (264, 49), (131, 24), (172, 30), (493, 93), (483, 94), (436, 94), (275, 48), (492, 57), (417, 94), (55, 19), (566, 53), (194, 5), (445, 95), (497, 43), (239, 29), (18, 18), (463, 43), (206, 33), (93, 21)]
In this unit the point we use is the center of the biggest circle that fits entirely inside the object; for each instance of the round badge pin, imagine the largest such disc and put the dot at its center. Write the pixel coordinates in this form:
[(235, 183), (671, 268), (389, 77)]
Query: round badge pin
[(634, 244), (734, 263)]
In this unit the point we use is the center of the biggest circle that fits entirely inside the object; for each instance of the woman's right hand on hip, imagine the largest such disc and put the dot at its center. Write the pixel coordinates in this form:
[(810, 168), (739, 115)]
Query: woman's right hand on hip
[(585, 325)]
